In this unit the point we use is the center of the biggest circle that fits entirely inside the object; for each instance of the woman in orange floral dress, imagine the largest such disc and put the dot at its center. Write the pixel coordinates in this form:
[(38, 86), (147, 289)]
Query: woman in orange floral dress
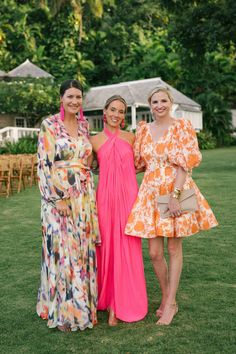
[(168, 150)]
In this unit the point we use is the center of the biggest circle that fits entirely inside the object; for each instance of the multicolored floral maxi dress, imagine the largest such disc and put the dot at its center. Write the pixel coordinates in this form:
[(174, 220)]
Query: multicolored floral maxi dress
[(68, 291)]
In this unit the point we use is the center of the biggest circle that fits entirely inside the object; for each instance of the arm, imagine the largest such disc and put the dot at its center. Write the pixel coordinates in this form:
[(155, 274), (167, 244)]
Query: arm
[(174, 205), (180, 178), (186, 156), (46, 154), (96, 143), (137, 147), (90, 159)]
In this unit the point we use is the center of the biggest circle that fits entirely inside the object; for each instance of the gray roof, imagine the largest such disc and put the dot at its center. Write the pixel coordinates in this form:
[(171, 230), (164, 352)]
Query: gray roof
[(3, 74), (134, 92), (27, 69)]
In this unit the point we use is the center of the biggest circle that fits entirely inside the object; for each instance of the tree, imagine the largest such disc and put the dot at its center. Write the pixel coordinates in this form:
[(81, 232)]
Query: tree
[(202, 25), (190, 44), (115, 39), (78, 7), (32, 100), (205, 35)]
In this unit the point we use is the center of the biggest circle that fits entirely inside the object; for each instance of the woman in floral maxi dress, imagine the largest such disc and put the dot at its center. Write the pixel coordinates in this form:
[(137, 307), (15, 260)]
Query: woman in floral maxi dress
[(168, 150), (67, 295)]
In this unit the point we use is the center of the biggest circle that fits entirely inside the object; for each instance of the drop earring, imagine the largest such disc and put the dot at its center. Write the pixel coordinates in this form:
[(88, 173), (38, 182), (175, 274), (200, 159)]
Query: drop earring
[(104, 118), (123, 124), (81, 114), (62, 112)]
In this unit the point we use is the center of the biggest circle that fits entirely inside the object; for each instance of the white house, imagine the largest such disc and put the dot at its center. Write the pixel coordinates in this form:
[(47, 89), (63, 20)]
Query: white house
[(135, 93)]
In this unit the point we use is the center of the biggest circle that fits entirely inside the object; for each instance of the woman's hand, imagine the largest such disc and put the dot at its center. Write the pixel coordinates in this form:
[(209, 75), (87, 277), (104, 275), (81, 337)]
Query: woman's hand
[(62, 208), (174, 207)]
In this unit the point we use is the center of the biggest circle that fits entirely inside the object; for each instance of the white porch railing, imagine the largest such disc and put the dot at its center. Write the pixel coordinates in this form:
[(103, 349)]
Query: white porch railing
[(14, 133)]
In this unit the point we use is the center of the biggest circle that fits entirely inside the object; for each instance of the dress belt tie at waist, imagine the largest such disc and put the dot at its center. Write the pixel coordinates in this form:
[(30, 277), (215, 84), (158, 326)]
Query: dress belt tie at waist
[(63, 164)]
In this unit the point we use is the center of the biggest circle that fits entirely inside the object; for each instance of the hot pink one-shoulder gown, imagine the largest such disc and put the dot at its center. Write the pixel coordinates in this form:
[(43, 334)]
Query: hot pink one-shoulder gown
[(121, 281)]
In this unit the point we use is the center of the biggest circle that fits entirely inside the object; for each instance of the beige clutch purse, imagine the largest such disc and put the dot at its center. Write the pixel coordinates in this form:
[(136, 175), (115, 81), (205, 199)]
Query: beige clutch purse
[(188, 202)]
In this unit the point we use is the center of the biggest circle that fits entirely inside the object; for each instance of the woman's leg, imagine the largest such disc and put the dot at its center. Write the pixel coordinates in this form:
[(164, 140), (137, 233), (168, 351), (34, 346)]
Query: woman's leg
[(175, 269), (112, 320), (156, 252)]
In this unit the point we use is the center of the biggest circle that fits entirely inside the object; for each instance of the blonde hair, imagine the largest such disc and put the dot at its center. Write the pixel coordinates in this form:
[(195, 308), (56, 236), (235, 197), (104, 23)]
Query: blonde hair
[(160, 89)]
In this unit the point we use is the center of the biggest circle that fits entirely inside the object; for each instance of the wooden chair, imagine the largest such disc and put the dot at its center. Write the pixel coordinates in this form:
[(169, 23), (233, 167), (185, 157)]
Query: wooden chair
[(29, 169), (16, 173), (5, 177), (34, 176)]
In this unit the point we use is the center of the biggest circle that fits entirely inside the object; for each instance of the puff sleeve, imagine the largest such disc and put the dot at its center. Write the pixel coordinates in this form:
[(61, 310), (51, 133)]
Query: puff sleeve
[(46, 154), (139, 136), (184, 150)]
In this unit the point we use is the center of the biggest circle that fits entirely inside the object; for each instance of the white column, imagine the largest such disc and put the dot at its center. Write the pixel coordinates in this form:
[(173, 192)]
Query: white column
[(14, 136), (133, 116)]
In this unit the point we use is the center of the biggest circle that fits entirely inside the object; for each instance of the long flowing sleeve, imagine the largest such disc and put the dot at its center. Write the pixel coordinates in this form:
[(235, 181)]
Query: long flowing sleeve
[(138, 160), (46, 154), (184, 151)]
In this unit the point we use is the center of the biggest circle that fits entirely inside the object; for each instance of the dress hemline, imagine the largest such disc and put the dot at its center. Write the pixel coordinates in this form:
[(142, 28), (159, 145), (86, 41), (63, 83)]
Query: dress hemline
[(166, 236), (121, 318), (73, 329)]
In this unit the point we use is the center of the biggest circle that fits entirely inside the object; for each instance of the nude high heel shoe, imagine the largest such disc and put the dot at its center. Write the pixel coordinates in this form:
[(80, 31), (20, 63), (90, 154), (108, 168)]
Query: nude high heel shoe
[(162, 321)]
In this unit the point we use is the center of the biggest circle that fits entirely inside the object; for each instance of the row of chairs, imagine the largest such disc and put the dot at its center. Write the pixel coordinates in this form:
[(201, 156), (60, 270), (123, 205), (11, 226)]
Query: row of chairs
[(17, 172)]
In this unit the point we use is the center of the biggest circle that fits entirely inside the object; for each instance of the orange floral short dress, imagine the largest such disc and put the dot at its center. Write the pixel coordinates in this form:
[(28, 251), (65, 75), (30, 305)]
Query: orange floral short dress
[(161, 159)]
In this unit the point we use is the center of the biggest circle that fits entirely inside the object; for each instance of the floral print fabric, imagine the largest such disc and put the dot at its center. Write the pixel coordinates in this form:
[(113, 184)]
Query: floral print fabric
[(161, 159), (68, 291)]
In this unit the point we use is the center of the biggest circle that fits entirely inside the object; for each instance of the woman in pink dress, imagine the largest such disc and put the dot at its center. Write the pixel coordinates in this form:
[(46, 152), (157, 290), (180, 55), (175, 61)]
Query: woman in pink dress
[(121, 281)]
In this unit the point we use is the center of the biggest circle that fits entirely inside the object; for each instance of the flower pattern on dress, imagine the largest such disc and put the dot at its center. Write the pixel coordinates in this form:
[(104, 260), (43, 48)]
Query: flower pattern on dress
[(68, 288), (161, 159)]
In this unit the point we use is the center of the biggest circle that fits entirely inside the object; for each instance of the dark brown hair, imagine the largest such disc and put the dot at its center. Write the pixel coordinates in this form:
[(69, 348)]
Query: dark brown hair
[(115, 98), (67, 84)]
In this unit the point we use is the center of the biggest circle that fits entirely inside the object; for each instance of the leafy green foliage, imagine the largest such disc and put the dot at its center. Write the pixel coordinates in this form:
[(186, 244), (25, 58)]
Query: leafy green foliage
[(205, 37), (217, 114), (3, 150), (200, 26), (33, 100), (25, 145), (206, 141), (190, 44)]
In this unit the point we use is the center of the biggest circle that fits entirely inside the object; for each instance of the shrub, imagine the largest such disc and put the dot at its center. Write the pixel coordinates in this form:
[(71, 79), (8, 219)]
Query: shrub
[(206, 140), (217, 116), (230, 140), (25, 145), (3, 150)]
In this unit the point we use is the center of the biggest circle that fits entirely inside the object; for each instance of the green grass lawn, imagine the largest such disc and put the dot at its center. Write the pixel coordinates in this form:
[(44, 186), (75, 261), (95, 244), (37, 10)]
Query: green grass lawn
[(206, 322)]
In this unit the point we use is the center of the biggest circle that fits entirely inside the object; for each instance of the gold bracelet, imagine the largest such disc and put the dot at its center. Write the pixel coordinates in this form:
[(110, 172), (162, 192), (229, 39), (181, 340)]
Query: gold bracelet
[(176, 193)]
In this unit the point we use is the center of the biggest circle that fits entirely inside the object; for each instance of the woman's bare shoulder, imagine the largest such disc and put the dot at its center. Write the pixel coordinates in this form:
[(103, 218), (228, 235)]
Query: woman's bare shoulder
[(129, 136), (96, 138)]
